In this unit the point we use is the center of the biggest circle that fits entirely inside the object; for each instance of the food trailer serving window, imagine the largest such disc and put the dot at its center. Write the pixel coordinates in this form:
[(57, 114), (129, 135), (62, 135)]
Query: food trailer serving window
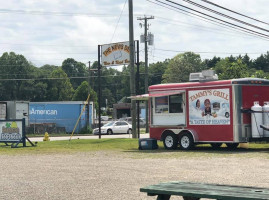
[(161, 104), (175, 103), (169, 104)]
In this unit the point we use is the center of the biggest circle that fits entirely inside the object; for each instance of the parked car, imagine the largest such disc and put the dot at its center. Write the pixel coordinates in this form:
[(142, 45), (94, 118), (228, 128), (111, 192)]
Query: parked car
[(104, 118), (114, 127), (142, 121)]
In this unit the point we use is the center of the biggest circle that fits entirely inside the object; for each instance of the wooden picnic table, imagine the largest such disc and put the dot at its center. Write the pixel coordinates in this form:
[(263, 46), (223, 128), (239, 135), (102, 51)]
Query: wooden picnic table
[(195, 191)]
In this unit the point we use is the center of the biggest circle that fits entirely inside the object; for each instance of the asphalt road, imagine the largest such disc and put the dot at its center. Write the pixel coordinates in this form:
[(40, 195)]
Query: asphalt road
[(40, 139)]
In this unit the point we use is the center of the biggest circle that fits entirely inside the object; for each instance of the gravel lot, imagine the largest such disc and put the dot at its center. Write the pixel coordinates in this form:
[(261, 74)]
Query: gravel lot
[(107, 175)]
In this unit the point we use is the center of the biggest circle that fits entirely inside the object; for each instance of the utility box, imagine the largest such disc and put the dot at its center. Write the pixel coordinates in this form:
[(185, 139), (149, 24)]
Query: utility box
[(18, 110), (148, 144)]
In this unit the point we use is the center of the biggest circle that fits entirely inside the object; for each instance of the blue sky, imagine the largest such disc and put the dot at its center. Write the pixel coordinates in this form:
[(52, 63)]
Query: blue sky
[(49, 31)]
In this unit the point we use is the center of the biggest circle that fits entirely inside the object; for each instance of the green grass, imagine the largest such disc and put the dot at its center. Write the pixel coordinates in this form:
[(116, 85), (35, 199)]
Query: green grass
[(129, 148), (73, 146)]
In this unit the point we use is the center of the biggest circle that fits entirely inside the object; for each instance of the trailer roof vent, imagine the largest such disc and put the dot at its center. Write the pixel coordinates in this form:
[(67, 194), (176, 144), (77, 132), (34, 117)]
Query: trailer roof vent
[(205, 75), (195, 77)]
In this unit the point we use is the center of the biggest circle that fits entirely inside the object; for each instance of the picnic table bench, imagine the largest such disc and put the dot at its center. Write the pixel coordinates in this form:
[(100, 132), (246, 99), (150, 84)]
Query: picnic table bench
[(195, 191)]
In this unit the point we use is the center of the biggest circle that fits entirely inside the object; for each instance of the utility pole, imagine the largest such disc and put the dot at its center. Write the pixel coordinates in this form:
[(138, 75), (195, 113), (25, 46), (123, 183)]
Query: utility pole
[(132, 74), (88, 105), (146, 39)]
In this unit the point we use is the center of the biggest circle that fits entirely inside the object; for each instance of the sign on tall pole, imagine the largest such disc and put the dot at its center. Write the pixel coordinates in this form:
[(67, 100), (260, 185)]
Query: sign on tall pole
[(117, 54)]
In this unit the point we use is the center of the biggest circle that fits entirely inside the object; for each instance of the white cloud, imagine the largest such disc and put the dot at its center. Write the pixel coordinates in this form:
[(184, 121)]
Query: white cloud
[(52, 38)]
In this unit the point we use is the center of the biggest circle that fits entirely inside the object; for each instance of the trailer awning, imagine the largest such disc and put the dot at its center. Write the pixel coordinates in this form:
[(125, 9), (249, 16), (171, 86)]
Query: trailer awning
[(144, 97)]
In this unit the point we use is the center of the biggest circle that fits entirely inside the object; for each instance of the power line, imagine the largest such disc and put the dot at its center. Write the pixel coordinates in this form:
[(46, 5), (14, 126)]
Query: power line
[(118, 21), (29, 44), (64, 78), (205, 52), (205, 18), (261, 34), (36, 12), (167, 21), (214, 4), (223, 15)]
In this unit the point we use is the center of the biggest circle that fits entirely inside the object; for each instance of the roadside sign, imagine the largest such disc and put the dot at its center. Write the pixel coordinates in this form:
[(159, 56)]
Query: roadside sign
[(115, 54), (13, 131)]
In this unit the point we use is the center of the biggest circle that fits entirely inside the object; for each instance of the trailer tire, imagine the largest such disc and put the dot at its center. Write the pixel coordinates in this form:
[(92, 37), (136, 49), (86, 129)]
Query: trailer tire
[(232, 145), (186, 141), (170, 141)]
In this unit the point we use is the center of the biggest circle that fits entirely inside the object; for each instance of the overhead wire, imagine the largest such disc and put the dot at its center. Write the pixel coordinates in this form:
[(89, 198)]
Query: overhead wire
[(205, 52), (208, 19), (226, 22), (228, 32), (224, 15), (35, 12), (214, 4), (118, 22)]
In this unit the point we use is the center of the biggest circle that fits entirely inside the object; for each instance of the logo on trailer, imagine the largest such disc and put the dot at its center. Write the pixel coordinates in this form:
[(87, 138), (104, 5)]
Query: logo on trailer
[(209, 107)]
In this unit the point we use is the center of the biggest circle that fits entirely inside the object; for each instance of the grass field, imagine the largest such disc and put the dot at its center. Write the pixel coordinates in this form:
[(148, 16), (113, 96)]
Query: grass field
[(130, 147)]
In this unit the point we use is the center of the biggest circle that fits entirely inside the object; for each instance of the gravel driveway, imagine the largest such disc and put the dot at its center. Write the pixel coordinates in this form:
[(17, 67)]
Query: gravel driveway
[(108, 175)]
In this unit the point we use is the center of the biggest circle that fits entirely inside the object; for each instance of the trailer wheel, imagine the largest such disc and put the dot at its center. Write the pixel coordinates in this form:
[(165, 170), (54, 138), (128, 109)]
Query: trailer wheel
[(216, 145), (170, 141), (186, 141), (109, 132), (232, 145)]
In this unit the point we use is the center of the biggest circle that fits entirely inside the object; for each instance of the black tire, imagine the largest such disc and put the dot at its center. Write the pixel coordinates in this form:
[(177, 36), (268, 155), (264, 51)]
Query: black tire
[(186, 141), (109, 132), (216, 145), (227, 115), (232, 145), (170, 141), (129, 131)]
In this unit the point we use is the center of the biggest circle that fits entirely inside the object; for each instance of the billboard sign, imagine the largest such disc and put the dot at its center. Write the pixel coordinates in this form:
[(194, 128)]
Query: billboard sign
[(209, 107), (115, 54), (11, 131)]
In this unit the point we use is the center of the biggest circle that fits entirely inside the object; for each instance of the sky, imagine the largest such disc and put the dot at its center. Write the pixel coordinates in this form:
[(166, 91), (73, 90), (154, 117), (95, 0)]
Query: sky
[(50, 31)]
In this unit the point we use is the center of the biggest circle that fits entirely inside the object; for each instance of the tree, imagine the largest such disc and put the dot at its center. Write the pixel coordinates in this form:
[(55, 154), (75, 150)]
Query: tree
[(262, 62), (60, 88), (229, 70), (156, 71), (81, 93), (74, 69), (15, 71), (210, 63), (247, 61), (180, 67), (107, 98)]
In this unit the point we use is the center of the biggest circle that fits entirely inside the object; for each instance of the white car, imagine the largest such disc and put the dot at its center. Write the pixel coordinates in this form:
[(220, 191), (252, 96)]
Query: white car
[(114, 127), (142, 121)]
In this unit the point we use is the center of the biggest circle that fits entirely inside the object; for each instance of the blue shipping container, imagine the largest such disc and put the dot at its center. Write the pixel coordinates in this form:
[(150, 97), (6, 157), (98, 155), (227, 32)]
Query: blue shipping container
[(63, 114)]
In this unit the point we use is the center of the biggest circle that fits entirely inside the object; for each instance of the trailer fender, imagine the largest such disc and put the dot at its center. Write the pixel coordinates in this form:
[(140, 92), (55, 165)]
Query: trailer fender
[(179, 132)]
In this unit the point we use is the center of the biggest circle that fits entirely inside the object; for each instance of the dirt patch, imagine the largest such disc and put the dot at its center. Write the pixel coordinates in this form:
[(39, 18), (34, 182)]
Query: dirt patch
[(104, 175)]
